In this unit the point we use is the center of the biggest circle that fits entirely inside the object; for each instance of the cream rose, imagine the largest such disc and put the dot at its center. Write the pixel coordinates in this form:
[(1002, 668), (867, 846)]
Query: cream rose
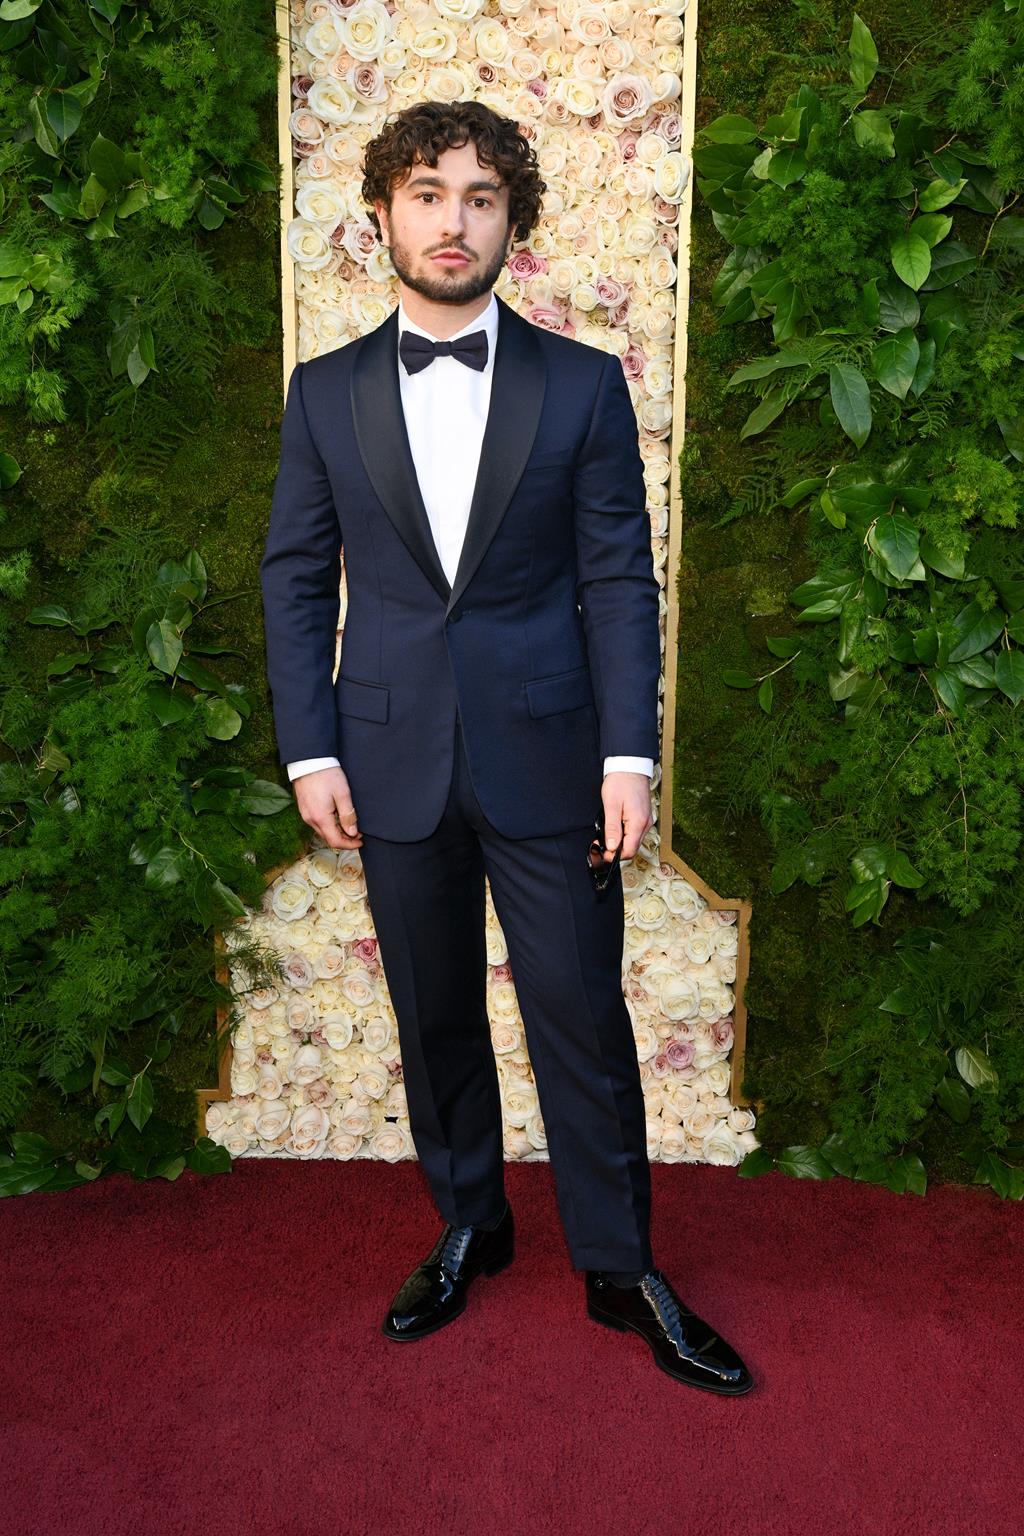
[(366, 29)]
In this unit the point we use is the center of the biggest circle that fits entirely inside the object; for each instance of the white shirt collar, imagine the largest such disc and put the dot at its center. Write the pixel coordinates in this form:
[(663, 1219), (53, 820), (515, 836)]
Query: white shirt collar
[(487, 321)]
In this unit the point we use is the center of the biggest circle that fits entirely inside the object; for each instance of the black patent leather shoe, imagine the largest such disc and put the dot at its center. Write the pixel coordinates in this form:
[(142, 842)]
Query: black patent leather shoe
[(682, 1344), (435, 1293)]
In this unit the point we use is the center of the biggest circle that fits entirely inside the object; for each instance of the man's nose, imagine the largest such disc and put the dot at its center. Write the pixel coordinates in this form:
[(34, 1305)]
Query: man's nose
[(454, 220)]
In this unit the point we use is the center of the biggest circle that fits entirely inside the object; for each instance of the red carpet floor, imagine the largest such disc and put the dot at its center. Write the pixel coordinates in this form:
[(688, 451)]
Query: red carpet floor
[(205, 1356)]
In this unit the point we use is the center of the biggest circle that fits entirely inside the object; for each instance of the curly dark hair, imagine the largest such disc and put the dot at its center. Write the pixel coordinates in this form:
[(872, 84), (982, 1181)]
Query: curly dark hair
[(427, 128)]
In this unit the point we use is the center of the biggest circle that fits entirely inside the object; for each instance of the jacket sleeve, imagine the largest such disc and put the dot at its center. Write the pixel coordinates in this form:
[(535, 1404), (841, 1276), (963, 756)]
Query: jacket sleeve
[(616, 587), (300, 576)]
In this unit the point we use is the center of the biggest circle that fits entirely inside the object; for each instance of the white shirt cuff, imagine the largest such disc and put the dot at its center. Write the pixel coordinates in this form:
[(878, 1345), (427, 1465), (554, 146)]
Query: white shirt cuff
[(630, 765), (310, 765)]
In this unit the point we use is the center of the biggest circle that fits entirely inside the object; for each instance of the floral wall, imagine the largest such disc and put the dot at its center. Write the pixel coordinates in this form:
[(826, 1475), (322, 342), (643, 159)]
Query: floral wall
[(316, 1068)]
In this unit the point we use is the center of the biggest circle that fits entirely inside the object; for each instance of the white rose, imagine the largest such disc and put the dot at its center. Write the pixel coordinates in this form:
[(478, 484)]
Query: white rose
[(305, 126), (679, 997), (722, 1147), (271, 1083), (536, 1134), (490, 40), (674, 1146), (337, 1030), (291, 895), (436, 41), (334, 101), (520, 1103), (324, 38), (343, 1144), (355, 1118), (647, 1042), (390, 1142), (373, 1081), (670, 177), (366, 29), (244, 1079), (505, 1037), (310, 1126), (309, 245)]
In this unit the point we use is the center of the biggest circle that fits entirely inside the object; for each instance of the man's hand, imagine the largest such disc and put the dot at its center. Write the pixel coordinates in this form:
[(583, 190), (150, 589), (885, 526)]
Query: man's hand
[(627, 812), (325, 804)]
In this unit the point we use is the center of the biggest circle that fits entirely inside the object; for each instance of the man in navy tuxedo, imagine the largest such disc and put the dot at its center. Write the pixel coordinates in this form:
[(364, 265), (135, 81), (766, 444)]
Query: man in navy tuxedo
[(496, 697)]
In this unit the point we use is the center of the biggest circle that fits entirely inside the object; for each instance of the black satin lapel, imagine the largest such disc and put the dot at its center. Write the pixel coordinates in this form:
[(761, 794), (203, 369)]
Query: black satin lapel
[(379, 424), (517, 396)]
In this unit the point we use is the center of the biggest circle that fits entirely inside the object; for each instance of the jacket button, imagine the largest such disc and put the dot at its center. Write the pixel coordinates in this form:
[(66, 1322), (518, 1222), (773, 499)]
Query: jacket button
[(454, 618)]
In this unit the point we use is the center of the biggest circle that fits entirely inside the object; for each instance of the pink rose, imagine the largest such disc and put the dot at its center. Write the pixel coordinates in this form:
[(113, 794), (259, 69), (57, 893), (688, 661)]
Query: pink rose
[(301, 85), (627, 144), (619, 316), (626, 98), (722, 1033), (725, 914), (671, 127), (538, 88), (680, 1053), (665, 213), (633, 362), (320, 1093), (553, 317), (525, 264), (486, 73), (302, 148), (501, 972), (609, 291), (366, 949)]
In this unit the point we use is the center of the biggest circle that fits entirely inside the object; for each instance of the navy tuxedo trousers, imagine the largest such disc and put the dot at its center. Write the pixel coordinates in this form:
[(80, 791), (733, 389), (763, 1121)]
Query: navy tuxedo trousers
[(565, 946)]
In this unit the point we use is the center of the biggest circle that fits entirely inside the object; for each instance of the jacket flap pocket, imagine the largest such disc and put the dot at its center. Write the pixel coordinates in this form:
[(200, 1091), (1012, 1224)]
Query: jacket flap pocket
[(369, 701), (566, 690)]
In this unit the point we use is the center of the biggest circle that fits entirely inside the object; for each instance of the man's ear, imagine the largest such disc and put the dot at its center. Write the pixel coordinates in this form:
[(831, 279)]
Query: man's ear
[(382, 218)]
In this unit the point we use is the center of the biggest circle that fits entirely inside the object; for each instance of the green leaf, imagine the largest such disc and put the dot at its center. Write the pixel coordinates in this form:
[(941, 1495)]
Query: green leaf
[(764, 696), (802, 488), (895, 539), (899, 868), (950, 689), (894, 362), (932, 227), (63, 113), (911, 258), (49, 613), (222, 722), (851, 400), (873, 130), (734, 679), (164, 645), (1009, 674), (976, 1069), (93, 196), (10, 471), (863, 55), (975, 628), (169, 705), (166, 867), (773, 404), (804, 1163), (17, 10), (993, 1171), (787, 165), (952, 1096), (264, 798), (903, 1000), (729, 129), (140, 1101), (44, 135), (754, 1164), (784, 646), (108, 163), (208, 1157), (939, 560), (936, 194)]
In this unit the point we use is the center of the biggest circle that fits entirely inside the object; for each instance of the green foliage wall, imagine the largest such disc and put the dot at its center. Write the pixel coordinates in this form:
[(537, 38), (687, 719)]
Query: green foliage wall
[(849, 730), (140, 376)]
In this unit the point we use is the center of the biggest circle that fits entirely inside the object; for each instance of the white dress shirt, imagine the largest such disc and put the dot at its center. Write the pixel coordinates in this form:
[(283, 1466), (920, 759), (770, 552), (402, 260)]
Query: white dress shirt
[(445, 407)]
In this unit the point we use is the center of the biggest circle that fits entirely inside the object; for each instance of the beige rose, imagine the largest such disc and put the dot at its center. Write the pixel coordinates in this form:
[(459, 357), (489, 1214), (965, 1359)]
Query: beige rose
[(390, 1142), (305, 126), (671, 175), (722, 1147), (310, 1126), (520, 1103), (505, 1037), (337, 1030), (291, 896), (342, 1144), (355, 1118), (366, 29), (654, 1133), (674, 1145), (517, 1144)]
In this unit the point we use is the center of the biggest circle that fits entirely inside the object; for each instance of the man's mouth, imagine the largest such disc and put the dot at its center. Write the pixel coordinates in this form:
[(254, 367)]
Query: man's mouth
[(451, 258)]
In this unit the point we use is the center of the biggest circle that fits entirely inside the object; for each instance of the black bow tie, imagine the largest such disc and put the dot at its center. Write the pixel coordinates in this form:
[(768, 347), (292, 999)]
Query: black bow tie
[(419, 352)]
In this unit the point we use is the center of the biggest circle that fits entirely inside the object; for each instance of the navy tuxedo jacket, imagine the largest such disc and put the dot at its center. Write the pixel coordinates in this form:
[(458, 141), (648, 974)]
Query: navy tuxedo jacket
[(547, 645)]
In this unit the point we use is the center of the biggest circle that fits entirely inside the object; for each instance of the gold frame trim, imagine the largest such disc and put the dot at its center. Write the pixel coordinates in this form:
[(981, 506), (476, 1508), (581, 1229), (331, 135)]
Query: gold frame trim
[(289, 317)]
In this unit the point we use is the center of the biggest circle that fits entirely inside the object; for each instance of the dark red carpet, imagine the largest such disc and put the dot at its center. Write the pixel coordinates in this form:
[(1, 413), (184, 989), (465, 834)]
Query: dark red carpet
[(205, 1356)]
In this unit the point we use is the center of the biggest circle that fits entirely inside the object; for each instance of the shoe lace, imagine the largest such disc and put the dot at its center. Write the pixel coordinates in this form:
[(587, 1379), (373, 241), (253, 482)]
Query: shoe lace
[(454, 1243), (656, 1289)]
